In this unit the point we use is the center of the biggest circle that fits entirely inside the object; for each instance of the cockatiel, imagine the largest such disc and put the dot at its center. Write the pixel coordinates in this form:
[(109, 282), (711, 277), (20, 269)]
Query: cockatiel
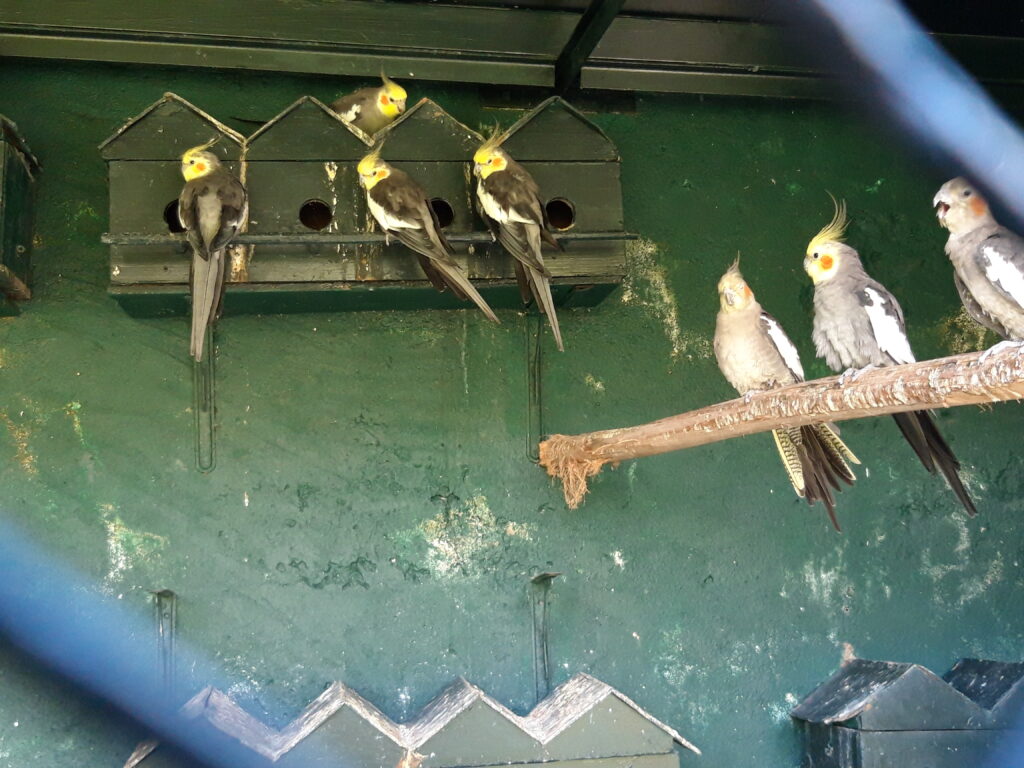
[(402, 208), (858, 324), (988, 259), (509, 199), (212, 206), (370, 109), (755, 354)]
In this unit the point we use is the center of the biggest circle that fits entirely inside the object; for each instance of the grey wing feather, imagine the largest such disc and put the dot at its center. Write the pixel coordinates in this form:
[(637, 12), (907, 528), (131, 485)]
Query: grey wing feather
[(974, 309), (404, 199), (1008, 248), (357, 98)]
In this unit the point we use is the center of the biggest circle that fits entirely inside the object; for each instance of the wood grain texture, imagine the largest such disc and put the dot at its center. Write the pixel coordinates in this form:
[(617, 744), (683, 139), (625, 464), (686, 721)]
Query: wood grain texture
[(942, 383)]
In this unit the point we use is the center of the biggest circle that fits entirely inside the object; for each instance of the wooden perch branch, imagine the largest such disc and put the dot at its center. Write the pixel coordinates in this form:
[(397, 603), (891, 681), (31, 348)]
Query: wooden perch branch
[(949, 381)]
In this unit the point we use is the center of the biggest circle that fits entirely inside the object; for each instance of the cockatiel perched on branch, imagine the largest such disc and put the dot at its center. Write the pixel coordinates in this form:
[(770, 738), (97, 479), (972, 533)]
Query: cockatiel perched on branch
[(212, 206), (755, 354), (402, 208), (510, 201), (858, 325), (988, 259), (370, 109)]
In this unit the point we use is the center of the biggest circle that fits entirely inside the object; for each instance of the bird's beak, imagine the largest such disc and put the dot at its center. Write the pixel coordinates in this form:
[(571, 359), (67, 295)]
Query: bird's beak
[(941, 209)]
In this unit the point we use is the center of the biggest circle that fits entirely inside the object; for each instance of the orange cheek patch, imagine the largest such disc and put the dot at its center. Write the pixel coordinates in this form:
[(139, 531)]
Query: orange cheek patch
[(826, 262), (747, 292), (200, 167), (978, 206), (383, 99)]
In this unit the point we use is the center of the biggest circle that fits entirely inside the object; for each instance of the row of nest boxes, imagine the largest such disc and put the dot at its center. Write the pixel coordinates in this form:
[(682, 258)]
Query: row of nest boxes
[(311, 243)]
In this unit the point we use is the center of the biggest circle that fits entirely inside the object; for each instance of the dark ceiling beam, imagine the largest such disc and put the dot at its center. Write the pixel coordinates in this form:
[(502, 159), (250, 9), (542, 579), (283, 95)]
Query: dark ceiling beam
[(468, 43), (588, 33)]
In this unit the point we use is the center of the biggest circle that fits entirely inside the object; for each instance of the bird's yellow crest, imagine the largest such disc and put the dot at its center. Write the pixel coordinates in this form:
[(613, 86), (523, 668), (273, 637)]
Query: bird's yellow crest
[(197, 162), (393, 89), (372, 169), (392, 97), (489, 157), (820, 260), (834, 231)]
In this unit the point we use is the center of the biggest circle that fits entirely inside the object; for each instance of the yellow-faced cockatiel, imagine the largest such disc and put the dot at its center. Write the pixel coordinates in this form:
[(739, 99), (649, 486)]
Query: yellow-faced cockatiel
[(858, 324), (510, 202), (755, 354), (988, 260), (402, 208), (370, 109), (212, 206)]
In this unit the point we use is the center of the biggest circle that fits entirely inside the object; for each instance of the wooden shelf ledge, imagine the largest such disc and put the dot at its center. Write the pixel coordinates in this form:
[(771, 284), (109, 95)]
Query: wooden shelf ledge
[(942, 383)]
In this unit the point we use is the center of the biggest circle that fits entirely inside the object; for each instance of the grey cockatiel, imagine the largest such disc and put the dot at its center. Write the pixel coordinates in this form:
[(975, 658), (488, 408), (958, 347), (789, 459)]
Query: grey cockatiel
[(859, 324), (510, 202), (212, 206), (402, 208), (370, 109), (755, 354), (988, 259)]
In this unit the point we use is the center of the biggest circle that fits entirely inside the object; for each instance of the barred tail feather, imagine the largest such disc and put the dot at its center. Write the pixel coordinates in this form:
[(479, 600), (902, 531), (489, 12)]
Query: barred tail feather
[(786, 441), (815, 461)]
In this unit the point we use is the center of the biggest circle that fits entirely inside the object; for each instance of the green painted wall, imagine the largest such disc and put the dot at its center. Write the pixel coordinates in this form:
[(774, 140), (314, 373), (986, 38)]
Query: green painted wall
[(374, 517)]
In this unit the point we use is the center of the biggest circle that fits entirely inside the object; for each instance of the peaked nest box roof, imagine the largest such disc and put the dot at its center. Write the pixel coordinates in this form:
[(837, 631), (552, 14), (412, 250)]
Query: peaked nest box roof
[(997, 686), (168, 127), (307, 130), (579, 707), (9, 134), (427, 132), (889, 696), (556, 131)]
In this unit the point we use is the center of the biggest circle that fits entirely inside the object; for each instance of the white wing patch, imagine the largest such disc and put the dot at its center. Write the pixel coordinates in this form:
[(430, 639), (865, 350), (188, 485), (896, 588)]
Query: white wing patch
[(491, 206), (1005, 274), (786, 347), (352, 114), (886, 328), (386, 219)]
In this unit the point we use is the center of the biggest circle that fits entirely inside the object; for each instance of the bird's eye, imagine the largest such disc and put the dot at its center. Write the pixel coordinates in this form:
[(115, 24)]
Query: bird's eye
[(815, 255), (191, 162), (967, 193)]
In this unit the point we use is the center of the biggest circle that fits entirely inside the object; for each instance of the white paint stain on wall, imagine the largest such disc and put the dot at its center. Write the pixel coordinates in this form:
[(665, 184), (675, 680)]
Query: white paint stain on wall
[(125, 547), (962, 588), (459, 538), (646, 285)]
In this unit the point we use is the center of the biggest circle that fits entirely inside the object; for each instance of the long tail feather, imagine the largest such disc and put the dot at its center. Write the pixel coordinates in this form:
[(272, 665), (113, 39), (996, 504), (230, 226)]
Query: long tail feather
[(459, 282), (418, 241), (931, 447), (790, 456), (525, 286), (542, 286), (910, 426), (815, 461), (207, 281)]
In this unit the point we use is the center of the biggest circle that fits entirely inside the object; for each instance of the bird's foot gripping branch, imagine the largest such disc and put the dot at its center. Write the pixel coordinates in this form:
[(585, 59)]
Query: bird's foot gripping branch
[(946, 382)]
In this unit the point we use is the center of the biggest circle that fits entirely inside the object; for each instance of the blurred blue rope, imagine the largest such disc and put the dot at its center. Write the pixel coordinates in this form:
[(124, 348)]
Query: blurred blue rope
[(930, 95), (56, 616)]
